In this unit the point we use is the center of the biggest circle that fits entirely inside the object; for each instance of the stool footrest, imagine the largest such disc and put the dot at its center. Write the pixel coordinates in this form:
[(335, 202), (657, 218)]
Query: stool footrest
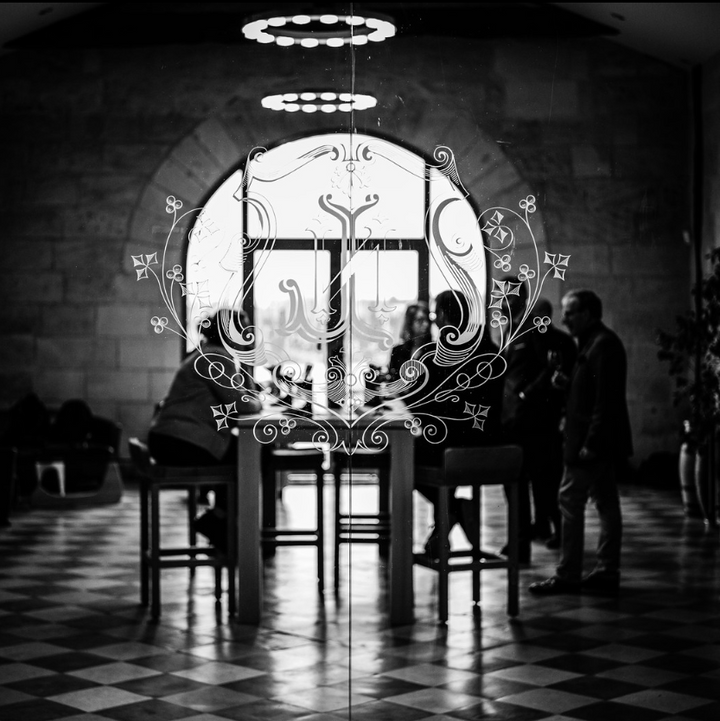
[(190, 551), (365, 538), (269, 535), (192, 563), (376, 528), (422, 559)]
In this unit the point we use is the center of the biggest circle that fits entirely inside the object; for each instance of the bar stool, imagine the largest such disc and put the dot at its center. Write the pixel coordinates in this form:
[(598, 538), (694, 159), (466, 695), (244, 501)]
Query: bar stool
[(276, 460), (352, 527), (59, 467), (154, 479), (475, 468)]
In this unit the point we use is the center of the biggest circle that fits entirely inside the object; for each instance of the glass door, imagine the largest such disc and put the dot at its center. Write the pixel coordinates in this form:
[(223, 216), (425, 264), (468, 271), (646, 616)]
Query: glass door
[(328, 233)]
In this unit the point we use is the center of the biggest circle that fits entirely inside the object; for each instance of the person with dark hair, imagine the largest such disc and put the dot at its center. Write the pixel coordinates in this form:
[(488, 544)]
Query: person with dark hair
[(185, 431), (452, 316), (28, 423), (452, 306), (26, 436), (532, 413), (415, 333), (598, 439), (72, 424)]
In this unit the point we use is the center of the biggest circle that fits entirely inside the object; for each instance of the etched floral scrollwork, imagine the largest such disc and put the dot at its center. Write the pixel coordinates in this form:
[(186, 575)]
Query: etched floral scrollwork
[(351, 395)]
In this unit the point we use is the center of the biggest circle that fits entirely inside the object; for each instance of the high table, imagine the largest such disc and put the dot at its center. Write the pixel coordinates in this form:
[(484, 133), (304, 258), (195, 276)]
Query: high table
[(393, 424)]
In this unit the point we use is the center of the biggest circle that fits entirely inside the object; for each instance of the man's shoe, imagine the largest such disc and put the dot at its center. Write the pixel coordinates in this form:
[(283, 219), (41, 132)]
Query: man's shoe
[(523, 553), (214, 528), (432, 545), (554, 585), (469, 522), (540, 531), (602, 582)]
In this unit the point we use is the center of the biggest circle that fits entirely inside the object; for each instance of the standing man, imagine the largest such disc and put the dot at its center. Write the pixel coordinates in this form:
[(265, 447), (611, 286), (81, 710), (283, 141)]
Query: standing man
[(532, 413), (597, 439)]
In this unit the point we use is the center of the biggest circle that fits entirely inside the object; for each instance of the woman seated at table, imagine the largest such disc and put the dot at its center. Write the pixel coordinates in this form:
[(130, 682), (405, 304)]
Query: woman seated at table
[(452, 312), (415, 333), (184, 431)]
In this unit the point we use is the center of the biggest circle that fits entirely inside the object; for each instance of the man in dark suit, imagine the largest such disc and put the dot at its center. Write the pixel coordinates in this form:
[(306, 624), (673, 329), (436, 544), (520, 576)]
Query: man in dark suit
[(532, 412), (597, 439)]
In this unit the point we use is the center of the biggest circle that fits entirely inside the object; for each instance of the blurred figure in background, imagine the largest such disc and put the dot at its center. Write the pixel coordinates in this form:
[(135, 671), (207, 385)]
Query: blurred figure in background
[(452, 311), (532, 415), (184, 431), (415, 333), (597, 439)]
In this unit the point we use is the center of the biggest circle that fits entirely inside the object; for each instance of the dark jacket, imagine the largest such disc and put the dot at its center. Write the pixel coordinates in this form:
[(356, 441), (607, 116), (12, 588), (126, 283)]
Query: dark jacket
[(596, 411), (202, 382), (457, 406), (399, 355), (530, 404)]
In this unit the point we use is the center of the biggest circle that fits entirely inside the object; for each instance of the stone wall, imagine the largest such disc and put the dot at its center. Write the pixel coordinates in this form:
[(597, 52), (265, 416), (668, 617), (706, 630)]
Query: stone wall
[(94, 141)]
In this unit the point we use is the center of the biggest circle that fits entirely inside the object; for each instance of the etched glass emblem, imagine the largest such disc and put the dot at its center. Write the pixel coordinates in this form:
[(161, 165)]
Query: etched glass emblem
[(322, 241)]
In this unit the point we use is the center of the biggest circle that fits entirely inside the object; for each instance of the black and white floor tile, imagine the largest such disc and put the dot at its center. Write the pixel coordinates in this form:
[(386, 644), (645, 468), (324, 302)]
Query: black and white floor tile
[(76, 645)]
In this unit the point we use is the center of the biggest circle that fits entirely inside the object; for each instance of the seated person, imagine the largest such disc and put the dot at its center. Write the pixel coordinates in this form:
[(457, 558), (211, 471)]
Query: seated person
[(485, 389), (74, 439), (415, 333), (184, 431), (24, 438)]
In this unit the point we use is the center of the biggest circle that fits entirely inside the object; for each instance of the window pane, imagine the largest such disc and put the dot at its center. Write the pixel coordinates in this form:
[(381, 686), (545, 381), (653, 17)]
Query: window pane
[(386, 281), (457, 259), (350, 196), (281, 276), (312, 187), (214, 258)]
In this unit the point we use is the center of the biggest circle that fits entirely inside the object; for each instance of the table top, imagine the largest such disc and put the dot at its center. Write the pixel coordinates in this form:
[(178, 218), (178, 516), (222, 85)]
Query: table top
[(366, 428), (393, 411)]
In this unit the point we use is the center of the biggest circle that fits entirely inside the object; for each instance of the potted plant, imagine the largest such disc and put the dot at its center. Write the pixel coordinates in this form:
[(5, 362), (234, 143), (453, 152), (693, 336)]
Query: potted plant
[(693, 355)]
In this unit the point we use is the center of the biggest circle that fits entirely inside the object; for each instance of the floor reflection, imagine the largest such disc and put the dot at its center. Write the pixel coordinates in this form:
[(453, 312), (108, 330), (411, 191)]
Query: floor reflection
[(75, 644)]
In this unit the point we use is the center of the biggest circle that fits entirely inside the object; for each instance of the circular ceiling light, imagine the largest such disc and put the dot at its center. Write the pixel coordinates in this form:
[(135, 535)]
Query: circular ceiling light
[(323, 101), (310, 31)]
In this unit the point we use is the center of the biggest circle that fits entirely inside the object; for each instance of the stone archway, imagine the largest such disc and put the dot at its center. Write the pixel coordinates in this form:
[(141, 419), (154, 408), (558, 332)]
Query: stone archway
[(205, 157), (217, 146)]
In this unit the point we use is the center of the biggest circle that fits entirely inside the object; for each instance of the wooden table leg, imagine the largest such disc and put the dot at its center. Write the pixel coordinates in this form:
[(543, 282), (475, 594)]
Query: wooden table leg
[(248, 513), (401, 515)]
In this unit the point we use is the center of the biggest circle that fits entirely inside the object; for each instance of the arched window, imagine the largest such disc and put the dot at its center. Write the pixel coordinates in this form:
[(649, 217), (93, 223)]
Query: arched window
[(325, 240)]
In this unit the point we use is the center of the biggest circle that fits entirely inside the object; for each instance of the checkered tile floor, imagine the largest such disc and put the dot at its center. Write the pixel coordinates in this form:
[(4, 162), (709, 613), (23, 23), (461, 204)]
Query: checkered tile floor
[(75, 644)]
